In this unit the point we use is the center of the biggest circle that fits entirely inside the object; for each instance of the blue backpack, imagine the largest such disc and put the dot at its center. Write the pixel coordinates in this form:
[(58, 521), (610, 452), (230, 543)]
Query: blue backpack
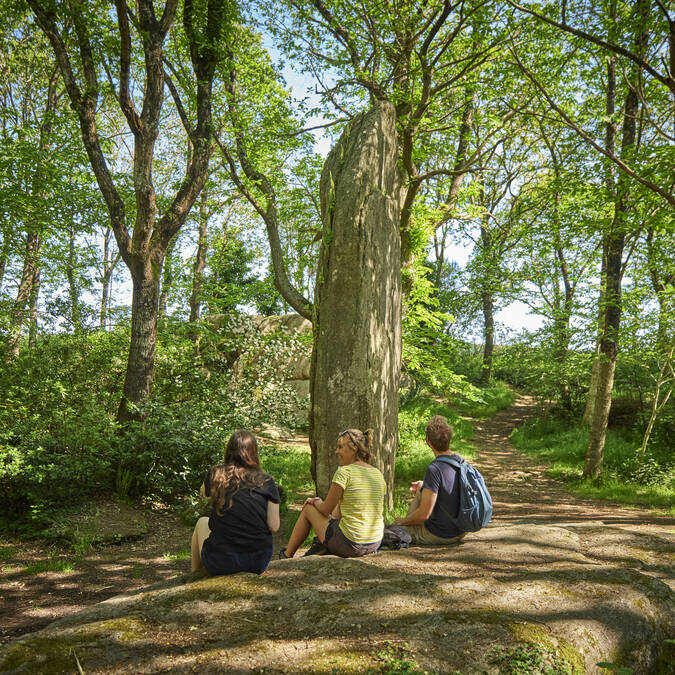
[(475, 503)]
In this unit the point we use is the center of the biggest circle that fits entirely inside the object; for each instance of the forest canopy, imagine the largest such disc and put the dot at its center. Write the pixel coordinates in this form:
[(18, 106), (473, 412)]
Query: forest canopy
[(160, 183)]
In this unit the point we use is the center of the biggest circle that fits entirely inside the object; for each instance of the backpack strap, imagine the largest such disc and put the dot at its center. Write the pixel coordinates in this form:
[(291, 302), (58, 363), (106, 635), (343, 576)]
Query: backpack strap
[(447, 459)]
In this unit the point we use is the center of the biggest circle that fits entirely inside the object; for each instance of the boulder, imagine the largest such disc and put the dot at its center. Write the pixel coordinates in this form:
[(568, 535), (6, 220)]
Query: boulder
[(522, 598)]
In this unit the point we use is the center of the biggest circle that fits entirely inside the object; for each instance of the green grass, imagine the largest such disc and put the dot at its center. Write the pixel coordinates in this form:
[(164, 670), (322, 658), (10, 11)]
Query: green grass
[(48, 566), (290, 466), (179, 555), (627, 478), (7, 553), (414, 454), (496, 396)]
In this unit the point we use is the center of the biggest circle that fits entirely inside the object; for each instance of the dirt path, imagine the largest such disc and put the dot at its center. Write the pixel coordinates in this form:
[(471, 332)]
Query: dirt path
[(521, 490)]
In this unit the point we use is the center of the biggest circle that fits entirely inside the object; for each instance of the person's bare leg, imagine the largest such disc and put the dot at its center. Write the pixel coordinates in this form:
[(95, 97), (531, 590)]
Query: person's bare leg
[(199, 536), (309, 518)]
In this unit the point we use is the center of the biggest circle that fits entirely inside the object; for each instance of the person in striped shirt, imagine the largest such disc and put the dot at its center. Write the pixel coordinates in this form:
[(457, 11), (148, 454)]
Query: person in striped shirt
[(349, 521)]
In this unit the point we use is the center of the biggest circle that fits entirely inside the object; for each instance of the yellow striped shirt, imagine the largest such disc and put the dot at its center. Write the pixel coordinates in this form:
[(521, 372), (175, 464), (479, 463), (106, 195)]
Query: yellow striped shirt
[(362, 502)]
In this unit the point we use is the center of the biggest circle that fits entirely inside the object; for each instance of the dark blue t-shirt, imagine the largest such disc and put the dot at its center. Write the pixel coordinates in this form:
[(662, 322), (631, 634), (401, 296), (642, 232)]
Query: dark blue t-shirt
[(242, 527), (441, 478)]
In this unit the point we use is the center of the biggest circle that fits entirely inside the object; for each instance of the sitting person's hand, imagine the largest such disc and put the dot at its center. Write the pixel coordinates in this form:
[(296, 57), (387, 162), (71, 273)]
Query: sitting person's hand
[(415, 486), (312, 501)]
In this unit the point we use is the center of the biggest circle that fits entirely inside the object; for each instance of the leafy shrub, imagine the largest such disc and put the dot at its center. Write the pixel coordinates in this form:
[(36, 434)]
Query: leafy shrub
[(429, 354), (59, 440), (535, 369)]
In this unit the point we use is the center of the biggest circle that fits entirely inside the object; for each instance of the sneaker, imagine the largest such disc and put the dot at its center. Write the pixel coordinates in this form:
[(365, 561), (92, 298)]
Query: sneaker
[(282, 554), (317, 548)]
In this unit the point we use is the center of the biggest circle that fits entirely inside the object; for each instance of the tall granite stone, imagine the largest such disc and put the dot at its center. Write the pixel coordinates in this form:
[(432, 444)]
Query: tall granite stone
[(356, 360)]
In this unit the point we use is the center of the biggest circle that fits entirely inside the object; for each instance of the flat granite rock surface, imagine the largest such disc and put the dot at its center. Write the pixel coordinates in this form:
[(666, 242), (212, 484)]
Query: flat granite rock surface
[(547, 598)]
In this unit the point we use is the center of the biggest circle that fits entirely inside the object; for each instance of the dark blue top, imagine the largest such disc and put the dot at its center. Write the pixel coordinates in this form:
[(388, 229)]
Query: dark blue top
[(441, 478), (242, 527)]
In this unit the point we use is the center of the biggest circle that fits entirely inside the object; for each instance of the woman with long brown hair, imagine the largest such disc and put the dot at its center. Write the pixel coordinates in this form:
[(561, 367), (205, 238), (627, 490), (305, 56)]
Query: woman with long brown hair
[(237, 537)]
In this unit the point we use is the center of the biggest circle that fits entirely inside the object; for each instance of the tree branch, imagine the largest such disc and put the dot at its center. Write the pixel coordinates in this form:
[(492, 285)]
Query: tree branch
[(85, 108), (668, 81), (670, 198), (269, 214), (126, 104)]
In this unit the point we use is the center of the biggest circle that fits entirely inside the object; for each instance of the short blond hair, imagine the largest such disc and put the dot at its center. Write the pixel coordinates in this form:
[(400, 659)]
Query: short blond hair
[(439, 433)]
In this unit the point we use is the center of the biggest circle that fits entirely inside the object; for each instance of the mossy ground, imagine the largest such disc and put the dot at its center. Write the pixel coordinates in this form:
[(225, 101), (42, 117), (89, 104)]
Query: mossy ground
[(324, 614)]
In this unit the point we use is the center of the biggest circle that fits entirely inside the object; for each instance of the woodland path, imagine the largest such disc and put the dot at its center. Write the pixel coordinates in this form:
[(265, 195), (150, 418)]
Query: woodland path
[(521, 490)]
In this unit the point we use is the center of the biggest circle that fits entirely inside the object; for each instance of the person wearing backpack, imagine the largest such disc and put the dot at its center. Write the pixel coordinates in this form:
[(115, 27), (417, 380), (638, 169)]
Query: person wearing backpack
[(451, 500)]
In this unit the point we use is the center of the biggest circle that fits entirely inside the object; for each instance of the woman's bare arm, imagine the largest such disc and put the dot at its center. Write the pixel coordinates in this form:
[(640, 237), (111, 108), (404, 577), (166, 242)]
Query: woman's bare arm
[(326, 507), (273, 520)]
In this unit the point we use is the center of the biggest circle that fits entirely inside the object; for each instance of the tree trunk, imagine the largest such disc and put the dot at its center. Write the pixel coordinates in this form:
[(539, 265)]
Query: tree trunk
[(662, 276), (167, 280), (356, 358), (587, 417), (610, 146), (18, 312), (562, 341), (141, 363), (562, 329), (488, 335), (592, 389), (609, 342), (33, 308), (71, 264), (142, 243), (4, 255), (487, 248), (109, 265), (200, 259), (666, 375)]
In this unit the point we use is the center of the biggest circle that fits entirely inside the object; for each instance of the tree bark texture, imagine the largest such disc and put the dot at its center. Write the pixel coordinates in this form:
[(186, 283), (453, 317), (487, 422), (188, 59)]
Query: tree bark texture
[(18, 312), (561, 324), (356, 358), (595, 367), (141, 362), (167, 280), (4, 255), (488, 246), (488, 335), (33, 308), (200, 259), (610, 147), (142, 243), (109, 264), (30, 274), (73, 290)]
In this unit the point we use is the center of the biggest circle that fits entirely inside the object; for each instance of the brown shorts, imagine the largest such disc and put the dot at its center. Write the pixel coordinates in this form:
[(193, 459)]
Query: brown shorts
[(337, 544)]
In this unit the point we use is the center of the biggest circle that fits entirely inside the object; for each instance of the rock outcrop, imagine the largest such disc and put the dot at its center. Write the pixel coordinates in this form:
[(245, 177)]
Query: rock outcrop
[(356, 361), (525, 593)]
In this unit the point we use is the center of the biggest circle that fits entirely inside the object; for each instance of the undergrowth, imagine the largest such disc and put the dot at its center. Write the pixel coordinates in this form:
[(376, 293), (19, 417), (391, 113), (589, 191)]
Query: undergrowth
[(627, 477)]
